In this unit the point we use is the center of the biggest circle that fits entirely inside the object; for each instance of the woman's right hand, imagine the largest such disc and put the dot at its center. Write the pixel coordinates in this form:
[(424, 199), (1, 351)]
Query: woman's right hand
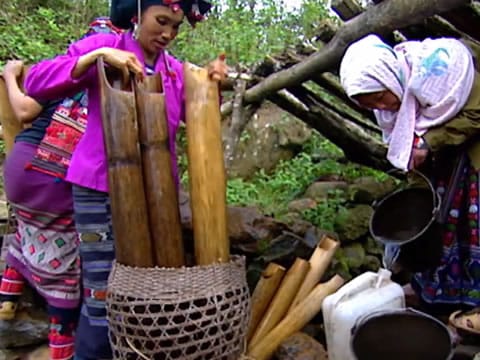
[(125, 61)]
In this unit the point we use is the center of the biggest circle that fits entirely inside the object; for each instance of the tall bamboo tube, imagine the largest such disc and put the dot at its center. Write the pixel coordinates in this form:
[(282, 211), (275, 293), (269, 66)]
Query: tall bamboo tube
[(262, 295), (319, 261), (295, 320), (127, 195), (160, 188), (206, 167), (11, 126), (282, 300)]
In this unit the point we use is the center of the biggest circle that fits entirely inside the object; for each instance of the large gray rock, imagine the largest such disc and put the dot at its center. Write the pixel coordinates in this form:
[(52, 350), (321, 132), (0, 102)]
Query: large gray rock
[(367, 189), (353, 223), (300, 346), (321, 190), (29, 328), (269, 137)]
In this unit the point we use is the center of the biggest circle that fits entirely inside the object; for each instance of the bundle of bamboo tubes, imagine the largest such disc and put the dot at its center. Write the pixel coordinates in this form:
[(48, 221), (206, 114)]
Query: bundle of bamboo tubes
[(145, 212), (283, 302)]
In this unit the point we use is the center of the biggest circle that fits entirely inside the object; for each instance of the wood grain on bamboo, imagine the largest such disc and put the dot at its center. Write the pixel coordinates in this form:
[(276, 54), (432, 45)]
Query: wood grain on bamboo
[(206, 167), (295, 320), (127, 195), (263, 294), (319, 262), (160, 189), (281, 302)]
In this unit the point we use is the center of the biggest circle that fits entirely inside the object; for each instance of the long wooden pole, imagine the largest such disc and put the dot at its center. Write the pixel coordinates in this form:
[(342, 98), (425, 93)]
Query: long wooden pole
[(295, 320), (160, 188), (206, 167), (282, 300), (262, 295), (319, 261), (133, 244)]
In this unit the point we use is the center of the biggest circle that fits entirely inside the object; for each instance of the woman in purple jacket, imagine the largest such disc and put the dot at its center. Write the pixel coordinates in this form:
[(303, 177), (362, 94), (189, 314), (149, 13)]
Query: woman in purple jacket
[(142, 50)]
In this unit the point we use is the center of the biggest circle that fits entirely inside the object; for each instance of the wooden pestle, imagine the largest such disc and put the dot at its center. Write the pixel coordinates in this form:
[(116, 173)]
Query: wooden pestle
[(262, 295), (206, 167), (133, 244), (160, 189), (295, 320)]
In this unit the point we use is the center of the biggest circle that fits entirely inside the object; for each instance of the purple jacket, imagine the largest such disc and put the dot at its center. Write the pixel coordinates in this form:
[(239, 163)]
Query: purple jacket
[(51, 79)]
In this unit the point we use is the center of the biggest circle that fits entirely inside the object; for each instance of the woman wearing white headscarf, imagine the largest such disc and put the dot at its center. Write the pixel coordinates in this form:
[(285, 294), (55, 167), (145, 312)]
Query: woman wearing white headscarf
[(426, 99)]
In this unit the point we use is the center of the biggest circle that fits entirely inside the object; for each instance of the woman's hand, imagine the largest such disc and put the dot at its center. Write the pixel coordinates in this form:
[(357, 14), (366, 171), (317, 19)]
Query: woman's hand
[(125, 61), (217, 69), (13, 68), (418, 158)]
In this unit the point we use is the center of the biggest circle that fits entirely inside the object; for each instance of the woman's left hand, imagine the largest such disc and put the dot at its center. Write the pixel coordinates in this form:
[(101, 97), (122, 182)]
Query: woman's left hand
[(217, 69), (418, 157)]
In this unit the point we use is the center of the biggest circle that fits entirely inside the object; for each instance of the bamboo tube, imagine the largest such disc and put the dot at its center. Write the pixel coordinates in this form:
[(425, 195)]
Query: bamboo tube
[(295, 320), (127, 195), (319, 261), (206, 167), (282, 300), (160, 188), (11, 126), (263, 294)]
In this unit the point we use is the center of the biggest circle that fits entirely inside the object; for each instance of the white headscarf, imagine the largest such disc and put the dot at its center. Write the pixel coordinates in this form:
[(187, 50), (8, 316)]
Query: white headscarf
[(432, 78)]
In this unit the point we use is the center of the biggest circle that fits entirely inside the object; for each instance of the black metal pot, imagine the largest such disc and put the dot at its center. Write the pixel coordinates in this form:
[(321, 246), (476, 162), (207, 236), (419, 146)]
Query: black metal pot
[(407, 218), (401, 335)]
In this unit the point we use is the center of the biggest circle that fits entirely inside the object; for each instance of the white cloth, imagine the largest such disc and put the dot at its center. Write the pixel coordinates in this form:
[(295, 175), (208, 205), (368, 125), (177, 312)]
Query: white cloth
[(432, 78)]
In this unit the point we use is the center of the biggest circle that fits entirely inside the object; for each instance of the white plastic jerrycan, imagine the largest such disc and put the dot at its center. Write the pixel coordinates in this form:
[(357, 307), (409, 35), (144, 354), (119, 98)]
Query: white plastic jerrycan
[(362, 295)]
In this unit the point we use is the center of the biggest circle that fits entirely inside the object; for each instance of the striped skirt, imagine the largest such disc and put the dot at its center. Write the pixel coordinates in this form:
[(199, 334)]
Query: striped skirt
[(45, 247), (94, 225)]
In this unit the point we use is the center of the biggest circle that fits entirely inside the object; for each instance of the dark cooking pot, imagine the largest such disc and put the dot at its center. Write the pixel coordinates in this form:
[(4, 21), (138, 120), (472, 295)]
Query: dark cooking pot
[(401, 335), (407, 218)]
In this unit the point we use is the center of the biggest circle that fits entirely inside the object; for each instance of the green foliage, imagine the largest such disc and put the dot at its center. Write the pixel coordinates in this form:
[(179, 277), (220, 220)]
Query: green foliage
[(273, 192), (34, 30), (247, 31), (325, 213)]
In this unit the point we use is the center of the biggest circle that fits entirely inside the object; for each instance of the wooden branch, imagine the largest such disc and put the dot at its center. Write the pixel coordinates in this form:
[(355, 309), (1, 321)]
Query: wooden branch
[(381, 19), (465, 18), (346, 9), (358, 145), (237, 123), (337, 106)]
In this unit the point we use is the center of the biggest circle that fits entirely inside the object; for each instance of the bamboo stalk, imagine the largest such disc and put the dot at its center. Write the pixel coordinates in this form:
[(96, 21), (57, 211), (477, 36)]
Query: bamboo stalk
[(206, 167), (11, 126), (263, 294), (160, 188), (282, 300), (319, 262), (295, 320), (126, 190)]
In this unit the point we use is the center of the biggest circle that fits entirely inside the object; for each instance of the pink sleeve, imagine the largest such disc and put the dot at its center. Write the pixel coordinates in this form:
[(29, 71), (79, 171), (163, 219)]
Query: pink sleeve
[(52, 79), (177, 66)]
